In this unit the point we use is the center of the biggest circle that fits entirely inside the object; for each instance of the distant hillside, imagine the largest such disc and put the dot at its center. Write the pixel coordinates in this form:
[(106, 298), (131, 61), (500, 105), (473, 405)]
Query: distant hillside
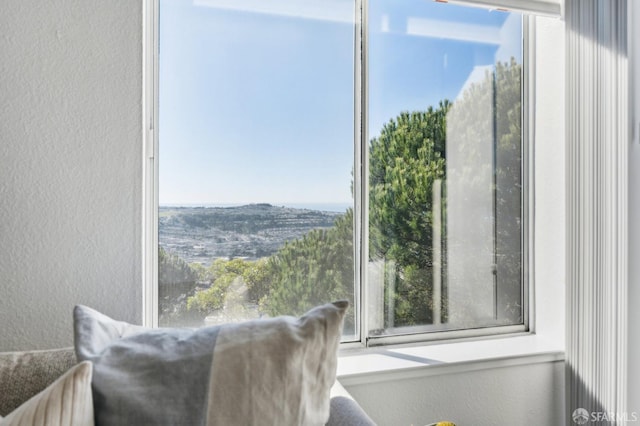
[(199, 234)]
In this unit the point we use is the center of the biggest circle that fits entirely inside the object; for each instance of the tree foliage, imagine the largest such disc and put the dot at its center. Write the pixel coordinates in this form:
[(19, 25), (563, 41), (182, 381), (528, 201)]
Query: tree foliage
[(404, 162), (221, 274), (173, 270), (315, 269), (175, 279), (312, 270), (488, 115)]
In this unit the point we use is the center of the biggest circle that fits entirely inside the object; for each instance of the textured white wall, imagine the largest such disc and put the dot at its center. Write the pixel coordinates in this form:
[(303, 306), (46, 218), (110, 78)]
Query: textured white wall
[(70, 165)]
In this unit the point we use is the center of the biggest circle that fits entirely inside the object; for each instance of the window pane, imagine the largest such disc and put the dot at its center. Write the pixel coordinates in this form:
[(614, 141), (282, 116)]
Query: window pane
[(256, 152), (445, 153)]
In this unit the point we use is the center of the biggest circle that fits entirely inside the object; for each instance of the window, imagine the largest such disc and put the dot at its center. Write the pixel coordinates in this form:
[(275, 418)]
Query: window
[(445, 168), (315, 150)]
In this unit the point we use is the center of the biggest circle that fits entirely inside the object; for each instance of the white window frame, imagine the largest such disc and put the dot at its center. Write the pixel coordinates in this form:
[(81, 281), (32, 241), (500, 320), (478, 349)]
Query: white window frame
[(150, 166), (150, 180)]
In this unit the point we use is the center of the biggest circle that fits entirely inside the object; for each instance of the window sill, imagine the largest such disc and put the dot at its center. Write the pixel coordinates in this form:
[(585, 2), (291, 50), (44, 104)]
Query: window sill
[(397, 362)]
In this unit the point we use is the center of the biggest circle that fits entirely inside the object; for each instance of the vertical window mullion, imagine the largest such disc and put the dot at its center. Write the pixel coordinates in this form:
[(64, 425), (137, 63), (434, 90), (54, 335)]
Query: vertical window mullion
[(363, 167), (150, 188)]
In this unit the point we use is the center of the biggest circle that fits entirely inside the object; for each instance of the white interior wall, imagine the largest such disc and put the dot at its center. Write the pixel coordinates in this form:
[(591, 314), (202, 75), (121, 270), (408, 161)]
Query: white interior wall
[(70, 166), (515, 395)]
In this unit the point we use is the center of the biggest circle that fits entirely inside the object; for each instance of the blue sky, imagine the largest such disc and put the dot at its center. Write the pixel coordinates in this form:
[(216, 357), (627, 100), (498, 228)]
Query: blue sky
[(258, 107)]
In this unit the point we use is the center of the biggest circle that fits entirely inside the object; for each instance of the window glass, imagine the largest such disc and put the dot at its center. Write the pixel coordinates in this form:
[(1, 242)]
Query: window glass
[(260, 156), (256, 153), (445, 154)]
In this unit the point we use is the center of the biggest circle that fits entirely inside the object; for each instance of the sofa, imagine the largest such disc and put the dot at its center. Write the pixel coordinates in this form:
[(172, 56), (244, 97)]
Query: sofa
[(26, 374)]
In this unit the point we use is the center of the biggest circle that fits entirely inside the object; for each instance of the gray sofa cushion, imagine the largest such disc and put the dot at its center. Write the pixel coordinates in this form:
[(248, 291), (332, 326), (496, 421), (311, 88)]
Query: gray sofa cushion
[(345, 411), (24, 374)]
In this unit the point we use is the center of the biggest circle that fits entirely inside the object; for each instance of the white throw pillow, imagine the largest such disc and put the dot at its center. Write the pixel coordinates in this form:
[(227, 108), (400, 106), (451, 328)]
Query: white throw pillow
[(66, 402), (276, 371)]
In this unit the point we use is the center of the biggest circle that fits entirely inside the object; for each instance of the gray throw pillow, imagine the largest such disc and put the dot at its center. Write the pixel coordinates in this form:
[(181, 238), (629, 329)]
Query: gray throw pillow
[(272, 371), (144, 376)]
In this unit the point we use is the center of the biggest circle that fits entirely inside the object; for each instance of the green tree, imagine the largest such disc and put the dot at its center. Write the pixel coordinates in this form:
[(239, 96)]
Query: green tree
[(315, 269), (404, 162), (173, 270), (258, 279), (176, 280), (223, 274)]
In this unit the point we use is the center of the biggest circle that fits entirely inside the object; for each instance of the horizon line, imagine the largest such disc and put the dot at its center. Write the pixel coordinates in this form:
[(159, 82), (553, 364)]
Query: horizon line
[(303, 205)]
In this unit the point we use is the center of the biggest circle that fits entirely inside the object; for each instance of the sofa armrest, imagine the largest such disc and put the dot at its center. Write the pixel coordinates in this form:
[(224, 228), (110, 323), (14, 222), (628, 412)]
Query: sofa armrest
[(24, 374), (345, 411)]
